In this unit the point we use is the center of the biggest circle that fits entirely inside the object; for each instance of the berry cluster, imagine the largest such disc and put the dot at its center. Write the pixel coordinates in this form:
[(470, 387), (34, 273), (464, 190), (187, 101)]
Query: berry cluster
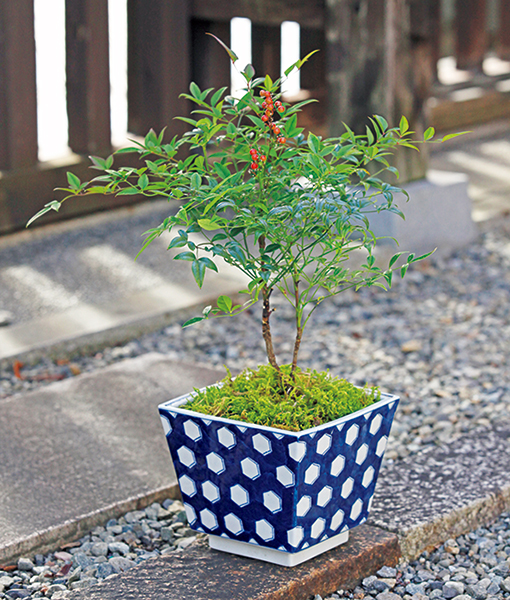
[(269, 106), (256, 158)]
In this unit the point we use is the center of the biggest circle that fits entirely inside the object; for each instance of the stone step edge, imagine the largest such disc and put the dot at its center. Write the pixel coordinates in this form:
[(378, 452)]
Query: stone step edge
[(429, 535), (57, 536), (126, 329)]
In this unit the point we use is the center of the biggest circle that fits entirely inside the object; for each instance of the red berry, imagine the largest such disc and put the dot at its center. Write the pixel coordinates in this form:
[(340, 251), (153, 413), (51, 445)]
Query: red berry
[(281, 109), (276, 130), (263, 157), (264, 104), (253, 152), (254, 166), (262, 93), (282, 140), (265, 118)]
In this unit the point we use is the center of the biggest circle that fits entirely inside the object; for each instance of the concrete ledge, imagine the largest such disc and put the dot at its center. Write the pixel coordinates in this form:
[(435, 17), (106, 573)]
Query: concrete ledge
[(205, 574), (437, 216)]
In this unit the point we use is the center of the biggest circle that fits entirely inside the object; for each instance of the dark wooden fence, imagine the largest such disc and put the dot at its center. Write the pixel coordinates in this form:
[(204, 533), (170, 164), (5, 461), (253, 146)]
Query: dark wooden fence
[(167, 48)]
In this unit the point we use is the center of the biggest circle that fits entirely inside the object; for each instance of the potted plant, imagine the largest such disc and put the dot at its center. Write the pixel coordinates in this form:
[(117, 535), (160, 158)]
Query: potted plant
[(277, 464)]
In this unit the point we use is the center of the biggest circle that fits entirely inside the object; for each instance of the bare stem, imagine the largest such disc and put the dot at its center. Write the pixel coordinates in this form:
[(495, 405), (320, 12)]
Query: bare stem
[(266, 329), (266, 313), (299, 329)]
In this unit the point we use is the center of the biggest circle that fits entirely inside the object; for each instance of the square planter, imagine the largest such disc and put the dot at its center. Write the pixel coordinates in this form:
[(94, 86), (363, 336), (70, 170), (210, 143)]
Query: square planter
[(272, 494)]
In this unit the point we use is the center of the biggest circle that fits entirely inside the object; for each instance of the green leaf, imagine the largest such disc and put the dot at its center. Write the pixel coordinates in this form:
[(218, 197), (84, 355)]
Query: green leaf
[(127, 192), (177, 242), (394, 258), (429, 133), (306, 58), (195, 90), (221, 170), (73, 180), (453, 135), (208, 263), (196, 181), (53, 205), (232, 55), (370, 136), (383, 124), (185, 256), (225, 303), (143, 182), (249, 72), (209, 224), (404, 125), (231, 129), (198, 270), (193, 321), (98, 162), (268, 82), (217, 95)]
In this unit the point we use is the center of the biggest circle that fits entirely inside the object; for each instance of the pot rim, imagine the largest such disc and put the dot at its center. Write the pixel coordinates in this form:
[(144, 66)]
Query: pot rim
[(174, 406)]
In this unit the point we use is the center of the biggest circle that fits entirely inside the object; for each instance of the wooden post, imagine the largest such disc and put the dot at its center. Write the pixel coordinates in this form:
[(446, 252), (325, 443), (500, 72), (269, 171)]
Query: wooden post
[(210, 62), (159, 65), (378, 65), (88, 76), (266, 46), (471, 37), (18, 107), (503, 43)]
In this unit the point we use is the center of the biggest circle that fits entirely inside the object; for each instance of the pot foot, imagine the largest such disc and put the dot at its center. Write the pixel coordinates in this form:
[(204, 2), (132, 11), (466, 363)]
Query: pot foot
[(276, 557)]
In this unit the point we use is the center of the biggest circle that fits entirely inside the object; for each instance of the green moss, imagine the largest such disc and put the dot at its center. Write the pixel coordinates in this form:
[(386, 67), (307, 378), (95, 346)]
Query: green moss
[(259, 396)]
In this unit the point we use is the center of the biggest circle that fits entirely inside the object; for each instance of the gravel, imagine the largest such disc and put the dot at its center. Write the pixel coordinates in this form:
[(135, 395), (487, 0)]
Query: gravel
[(105, 551), (475, 566), (439, 339)]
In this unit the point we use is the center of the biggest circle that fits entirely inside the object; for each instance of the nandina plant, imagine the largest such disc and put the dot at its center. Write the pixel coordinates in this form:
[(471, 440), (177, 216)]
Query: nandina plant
[(286, 209)]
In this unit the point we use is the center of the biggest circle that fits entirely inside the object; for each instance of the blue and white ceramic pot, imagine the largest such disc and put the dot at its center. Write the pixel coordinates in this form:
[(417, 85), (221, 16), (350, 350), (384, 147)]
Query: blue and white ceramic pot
[(276, 495)]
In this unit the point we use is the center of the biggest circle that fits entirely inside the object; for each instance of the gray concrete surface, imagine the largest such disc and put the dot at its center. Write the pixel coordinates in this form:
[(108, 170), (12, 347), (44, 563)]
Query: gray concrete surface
[(78, 451), (76, 284)]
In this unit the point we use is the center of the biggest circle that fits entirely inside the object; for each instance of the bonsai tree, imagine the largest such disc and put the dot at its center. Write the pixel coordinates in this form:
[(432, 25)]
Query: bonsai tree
[(286, 209)]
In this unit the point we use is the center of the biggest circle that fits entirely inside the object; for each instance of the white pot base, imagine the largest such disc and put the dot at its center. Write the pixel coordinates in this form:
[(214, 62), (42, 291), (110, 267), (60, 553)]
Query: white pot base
[(276, 557)]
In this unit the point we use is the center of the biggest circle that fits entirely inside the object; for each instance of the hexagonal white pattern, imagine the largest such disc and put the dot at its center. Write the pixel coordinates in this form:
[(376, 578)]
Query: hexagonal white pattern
[(318, 527), (303, 506), (368, 477), (210, 491), (226, 438), (375, 425), (362, 454), (324, 496), (324, 444), (250, 468), (167, 428), (192, 430), (337, 466), (285, 476), (191, 515), (239, 495), (356, 509), (272, 502), (347, 487), (381, 446), (264, 530), (261, 443), (234, 524), (186, 456), (337, 519), (352, 434), (208, 519), (297, 450), (215, 463), (187, 486), (295, 535), (312, 474)]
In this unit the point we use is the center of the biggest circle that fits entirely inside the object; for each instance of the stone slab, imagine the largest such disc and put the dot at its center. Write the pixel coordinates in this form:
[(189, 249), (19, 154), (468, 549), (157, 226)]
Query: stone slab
[(81, 450), (446, 491), (438, 215), (204, 574)]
